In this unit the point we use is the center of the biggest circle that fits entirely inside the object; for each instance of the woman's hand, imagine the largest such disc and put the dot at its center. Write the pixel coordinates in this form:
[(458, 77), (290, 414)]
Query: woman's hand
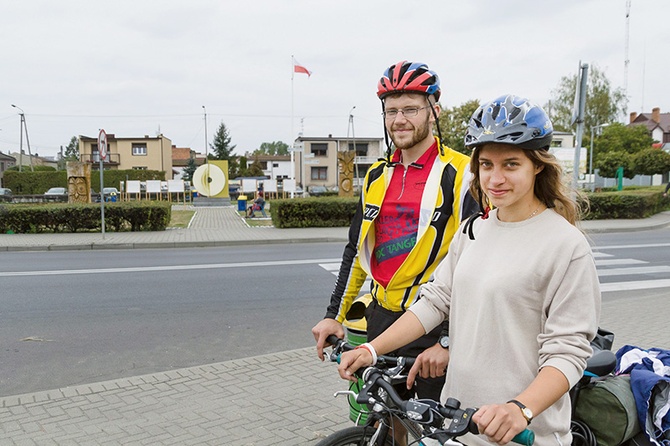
[(500, 422), (353, 360)]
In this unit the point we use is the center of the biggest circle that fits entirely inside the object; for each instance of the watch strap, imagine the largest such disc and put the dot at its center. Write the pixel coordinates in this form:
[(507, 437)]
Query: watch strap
[(525, 411)]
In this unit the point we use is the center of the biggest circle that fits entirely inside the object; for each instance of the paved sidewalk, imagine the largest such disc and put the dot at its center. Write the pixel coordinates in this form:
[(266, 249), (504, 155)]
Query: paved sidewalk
[(211, 226), (281, 399), (220, 226)]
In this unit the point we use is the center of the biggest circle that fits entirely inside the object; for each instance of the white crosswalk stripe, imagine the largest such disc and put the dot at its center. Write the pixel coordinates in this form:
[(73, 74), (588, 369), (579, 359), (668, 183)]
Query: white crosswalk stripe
[(628, 267)]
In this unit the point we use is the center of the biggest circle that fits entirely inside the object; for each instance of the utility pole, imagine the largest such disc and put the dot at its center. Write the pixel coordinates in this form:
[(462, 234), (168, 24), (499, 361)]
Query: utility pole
[(24, 127)]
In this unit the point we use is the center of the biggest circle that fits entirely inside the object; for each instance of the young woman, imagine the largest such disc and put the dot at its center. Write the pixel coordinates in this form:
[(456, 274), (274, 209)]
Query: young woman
[(519, 286)]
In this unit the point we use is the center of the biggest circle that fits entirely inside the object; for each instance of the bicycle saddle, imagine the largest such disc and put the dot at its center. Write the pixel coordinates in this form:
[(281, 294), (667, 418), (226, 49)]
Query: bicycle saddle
[(601, 363)]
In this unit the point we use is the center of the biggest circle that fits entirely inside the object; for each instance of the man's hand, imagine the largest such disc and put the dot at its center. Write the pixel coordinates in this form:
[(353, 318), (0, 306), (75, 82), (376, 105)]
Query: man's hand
[(431, 363), (324, 329)]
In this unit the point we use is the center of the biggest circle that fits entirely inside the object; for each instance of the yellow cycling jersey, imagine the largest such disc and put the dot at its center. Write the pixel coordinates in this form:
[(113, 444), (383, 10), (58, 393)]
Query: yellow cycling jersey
[(445, 202)]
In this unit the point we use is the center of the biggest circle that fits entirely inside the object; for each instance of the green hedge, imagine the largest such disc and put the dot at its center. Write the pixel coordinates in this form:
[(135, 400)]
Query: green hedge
[(35, 183), (313, 212), (633, 202), (63, 217), (627, 203)]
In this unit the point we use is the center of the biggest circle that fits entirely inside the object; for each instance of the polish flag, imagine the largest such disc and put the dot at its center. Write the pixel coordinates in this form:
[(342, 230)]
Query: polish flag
[(297, 68)]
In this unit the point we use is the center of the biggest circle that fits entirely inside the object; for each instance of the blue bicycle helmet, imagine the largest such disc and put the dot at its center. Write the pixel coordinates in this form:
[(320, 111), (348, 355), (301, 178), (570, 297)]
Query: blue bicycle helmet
[(510, 120)]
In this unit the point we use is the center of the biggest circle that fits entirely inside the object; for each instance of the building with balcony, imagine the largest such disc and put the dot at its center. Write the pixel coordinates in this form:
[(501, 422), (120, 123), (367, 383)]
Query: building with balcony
[(128, 153), (317, 165)]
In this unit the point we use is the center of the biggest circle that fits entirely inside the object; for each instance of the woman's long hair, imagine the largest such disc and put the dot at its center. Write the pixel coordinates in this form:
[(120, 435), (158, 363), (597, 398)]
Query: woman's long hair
[(549, 188)]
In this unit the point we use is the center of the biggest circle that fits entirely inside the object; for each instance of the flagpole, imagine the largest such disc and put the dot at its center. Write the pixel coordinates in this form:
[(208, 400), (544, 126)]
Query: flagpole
[(293, 140)]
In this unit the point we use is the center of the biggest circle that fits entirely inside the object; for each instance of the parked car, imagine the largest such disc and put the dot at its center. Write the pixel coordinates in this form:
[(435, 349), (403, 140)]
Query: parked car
[(110, 193), (5, 194), (56, 194), (315, 191)]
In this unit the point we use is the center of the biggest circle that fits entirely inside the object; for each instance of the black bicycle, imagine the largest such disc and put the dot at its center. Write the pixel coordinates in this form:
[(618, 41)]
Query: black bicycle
[(426, 421)]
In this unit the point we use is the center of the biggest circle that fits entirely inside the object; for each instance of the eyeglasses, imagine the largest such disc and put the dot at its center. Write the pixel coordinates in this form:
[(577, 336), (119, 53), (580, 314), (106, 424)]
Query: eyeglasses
[(409, 112)]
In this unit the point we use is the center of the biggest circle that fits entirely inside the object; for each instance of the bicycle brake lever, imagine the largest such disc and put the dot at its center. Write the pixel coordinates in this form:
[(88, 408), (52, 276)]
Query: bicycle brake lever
[(345, 392)]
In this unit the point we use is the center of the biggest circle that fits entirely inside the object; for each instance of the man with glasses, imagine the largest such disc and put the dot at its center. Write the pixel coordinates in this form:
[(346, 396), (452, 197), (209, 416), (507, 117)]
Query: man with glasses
[(411, 204)]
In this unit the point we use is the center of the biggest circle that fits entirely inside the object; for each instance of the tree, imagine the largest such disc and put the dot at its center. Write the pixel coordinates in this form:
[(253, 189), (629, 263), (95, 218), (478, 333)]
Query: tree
[(233, 167), (454, 123), (237, 167), (618, 146), (189, 170), (221, 146), (608, 163), (603, 104), (619, 137), (72, 150), (651, 161), (272, 148), (255, 170)]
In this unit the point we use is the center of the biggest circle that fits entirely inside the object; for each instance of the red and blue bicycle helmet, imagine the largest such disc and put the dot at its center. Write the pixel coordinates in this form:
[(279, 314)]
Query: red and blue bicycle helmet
[(510, 120), (409, 77)]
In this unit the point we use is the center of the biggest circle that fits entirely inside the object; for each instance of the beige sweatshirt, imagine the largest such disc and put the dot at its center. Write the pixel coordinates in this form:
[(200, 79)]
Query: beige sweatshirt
[(519, 297)]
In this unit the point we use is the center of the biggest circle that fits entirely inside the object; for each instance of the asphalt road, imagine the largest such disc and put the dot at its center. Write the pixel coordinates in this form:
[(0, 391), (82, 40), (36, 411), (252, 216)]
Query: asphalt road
[(78, 317), (74, 317)]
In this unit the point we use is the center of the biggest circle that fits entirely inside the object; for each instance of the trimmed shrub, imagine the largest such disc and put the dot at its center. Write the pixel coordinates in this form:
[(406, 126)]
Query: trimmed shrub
[(628, 203), (313, 212), (63, 217)]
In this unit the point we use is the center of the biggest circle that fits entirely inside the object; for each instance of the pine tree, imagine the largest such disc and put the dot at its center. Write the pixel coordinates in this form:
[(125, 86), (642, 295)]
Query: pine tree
[(189, 170), (221, 146), (72, 150)]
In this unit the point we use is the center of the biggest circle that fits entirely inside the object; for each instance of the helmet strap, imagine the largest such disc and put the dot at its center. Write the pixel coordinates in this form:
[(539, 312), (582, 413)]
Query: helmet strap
[(386, 136), (437, 124)]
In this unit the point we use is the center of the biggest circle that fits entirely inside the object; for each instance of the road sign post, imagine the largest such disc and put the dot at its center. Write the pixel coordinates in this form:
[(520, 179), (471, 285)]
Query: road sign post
[(102, 154)]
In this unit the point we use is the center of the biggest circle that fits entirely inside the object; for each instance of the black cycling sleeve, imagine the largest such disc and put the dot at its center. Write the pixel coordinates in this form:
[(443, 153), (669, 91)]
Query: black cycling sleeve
[(348, 259)]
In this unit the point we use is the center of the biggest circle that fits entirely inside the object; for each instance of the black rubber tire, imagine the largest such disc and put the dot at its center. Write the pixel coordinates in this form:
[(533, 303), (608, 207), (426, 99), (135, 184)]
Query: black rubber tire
[(351, 436)]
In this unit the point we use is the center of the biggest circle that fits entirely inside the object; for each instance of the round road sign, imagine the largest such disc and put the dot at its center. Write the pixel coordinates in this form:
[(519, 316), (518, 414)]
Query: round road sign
[(102, 144)]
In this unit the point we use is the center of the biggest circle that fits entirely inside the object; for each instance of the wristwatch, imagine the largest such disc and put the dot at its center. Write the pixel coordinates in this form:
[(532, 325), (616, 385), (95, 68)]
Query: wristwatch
[(444, 341), (526, 412)]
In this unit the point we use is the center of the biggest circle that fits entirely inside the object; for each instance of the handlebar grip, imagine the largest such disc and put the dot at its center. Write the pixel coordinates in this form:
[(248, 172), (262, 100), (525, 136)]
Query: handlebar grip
[(526, 438), (332, 339)]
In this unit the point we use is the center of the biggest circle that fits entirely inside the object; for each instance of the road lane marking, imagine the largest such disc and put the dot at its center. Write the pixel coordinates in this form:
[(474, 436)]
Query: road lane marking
[(634, 270), (139, 269), (610, 262), (635, 285)]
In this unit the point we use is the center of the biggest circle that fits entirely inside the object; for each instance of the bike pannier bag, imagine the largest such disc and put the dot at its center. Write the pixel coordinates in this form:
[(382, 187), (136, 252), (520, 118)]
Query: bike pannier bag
[(607, 406)]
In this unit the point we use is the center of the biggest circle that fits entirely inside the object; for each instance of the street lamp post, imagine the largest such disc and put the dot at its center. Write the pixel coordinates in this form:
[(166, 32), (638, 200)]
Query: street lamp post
[(593, 179)]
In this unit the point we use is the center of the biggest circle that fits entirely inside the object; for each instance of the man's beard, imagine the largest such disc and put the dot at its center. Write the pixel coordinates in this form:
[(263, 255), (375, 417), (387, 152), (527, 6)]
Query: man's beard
[(419, 133)]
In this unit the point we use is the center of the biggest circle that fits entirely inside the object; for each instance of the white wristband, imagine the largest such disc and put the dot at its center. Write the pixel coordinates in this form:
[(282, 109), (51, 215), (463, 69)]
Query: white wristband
[(372, 351)]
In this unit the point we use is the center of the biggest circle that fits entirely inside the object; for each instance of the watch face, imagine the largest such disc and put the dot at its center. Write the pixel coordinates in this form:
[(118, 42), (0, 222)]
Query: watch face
[(527, 412), (444, 341)]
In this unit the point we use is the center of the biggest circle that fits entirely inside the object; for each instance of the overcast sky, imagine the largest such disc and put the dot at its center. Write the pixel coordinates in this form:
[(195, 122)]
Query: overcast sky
[(141, 67)]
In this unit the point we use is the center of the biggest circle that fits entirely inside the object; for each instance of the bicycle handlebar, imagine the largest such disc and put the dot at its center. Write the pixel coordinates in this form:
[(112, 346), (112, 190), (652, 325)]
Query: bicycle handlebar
[(383, 361), (422, 411)]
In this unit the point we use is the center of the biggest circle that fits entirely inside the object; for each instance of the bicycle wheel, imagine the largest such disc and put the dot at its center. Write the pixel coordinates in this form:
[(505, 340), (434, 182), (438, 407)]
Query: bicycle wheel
[(351, 436)]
